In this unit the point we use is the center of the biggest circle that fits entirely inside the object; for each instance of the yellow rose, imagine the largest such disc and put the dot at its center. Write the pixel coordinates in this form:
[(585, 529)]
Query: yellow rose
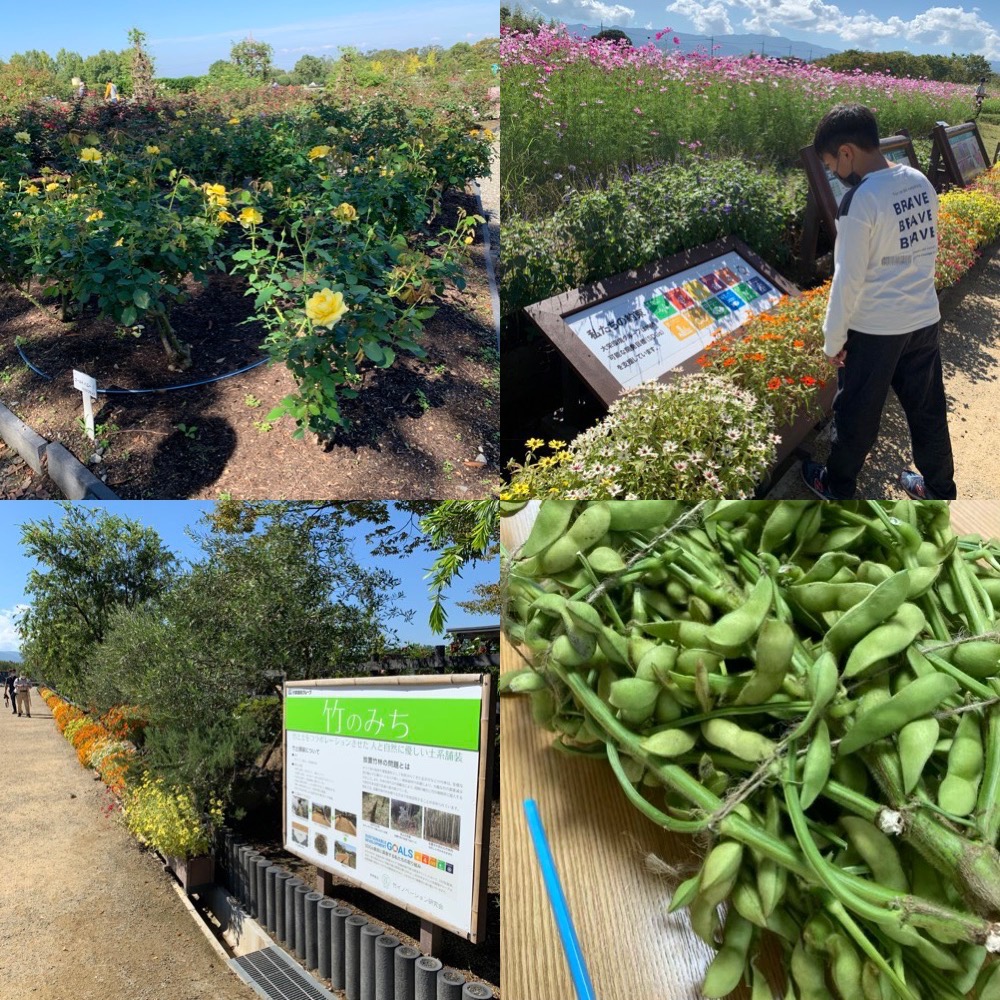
[(326, 307), (250, 217), (224, 216), (94, 216), (216, 194), (91, 156), (318, 152), (152, 150), (345, 212)]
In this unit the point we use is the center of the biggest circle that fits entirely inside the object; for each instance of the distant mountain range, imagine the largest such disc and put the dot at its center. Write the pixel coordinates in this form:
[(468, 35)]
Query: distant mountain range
[(10, 654), (723, 45)]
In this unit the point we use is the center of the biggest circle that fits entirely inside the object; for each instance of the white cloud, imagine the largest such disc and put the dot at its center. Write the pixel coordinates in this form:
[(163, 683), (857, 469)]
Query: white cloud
[(10, 638), (586, 10), (709, 19)]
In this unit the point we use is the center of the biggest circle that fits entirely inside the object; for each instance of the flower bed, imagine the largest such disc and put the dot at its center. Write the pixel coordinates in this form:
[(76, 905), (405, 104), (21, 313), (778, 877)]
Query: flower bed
[(162, 816), (777, 359)]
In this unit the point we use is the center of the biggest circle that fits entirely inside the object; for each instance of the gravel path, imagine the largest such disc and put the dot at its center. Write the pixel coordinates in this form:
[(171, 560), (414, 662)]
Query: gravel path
[(85, 913), (970, 354), (490, 190)]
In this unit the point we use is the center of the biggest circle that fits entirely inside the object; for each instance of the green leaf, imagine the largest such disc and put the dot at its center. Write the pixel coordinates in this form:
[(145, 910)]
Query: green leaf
[(375, 352), (128, 315), (141, 298)]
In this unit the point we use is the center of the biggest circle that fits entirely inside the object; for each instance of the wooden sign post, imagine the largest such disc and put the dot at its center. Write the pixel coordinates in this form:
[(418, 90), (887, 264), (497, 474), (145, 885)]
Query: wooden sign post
[(826, 191), (652, 323), (958, 155), (87, 385)]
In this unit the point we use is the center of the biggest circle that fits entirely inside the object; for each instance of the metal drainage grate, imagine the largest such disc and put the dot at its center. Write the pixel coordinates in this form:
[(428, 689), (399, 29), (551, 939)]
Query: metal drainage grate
[(274, 976)]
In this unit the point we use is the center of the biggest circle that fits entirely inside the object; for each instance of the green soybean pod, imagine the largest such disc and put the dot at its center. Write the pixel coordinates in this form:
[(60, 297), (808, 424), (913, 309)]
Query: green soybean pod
[(689, 660), (929, 554), (886, 640), (729, 511), (746, 900), (922, 578), (684, 893), (809, 973), (726, 970), (916, 744), (634, 698), (874, 985), (845, 967), (704, 919), (761, 987), (979, 659), (781, 523), (550, 525), (816, 597), (720, 870), (837, 540), (585, 532), (882, 602), (656, 663), (828, 565), (583, 616), (916, 700), (816, 767), (734, 629), (639, 515), (989, 983), (605, 561), (669, 742), (743, 743), (775, 646), (992, 587), (822, 680), (877, 851), (574, 651), (957, 794)]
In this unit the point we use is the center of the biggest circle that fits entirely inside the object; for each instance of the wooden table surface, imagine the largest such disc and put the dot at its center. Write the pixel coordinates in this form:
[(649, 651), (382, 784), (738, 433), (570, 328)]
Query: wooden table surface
[(633, 948)]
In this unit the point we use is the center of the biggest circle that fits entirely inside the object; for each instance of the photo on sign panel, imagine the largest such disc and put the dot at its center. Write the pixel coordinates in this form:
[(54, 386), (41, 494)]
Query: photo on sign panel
[(406, 817), (442, 827), (346, 822), (321, 814), (345, 854), (375, 808)]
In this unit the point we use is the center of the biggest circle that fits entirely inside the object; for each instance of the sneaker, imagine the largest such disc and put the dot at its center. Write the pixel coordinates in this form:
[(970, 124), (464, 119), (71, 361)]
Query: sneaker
[(814, 476), (913, 484)]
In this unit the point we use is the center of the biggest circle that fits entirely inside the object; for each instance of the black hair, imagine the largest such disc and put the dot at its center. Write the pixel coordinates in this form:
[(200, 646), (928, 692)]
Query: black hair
[(852, 123)]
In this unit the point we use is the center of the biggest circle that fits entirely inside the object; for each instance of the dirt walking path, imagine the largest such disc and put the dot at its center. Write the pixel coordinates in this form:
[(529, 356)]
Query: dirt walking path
[(83, 911), (970, 352)]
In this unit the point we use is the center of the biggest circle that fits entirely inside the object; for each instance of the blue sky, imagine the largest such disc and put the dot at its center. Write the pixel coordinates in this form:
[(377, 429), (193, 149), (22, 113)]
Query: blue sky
[(186, 36), (872, 24), (171, 517)]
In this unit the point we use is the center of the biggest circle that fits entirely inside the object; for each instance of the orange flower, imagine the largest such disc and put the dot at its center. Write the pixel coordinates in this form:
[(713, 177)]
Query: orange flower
[(789, 381), (798, 343), (703, 361), (728, 362), (774, 383), (808, 380)]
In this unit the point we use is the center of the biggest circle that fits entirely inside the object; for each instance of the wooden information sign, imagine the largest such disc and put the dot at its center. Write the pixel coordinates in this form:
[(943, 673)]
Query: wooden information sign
[(648, 324), (958, 155)]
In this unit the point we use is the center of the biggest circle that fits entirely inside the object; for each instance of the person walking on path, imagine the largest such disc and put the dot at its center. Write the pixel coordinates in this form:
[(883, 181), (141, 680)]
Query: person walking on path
[(980, 95), (111, 92), (22, 688), (881, 326), (11, 692)]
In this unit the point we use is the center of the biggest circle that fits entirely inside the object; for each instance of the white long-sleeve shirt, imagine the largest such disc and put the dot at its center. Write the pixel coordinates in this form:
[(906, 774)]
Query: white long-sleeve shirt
[(883, 278)]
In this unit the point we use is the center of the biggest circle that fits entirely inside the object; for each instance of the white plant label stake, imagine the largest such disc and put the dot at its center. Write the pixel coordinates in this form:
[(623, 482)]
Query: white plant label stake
[(87, 385)]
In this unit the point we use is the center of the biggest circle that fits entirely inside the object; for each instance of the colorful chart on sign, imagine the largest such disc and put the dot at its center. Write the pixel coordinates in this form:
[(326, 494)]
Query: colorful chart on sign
[(968, 155), (639, 336), (899, 155)]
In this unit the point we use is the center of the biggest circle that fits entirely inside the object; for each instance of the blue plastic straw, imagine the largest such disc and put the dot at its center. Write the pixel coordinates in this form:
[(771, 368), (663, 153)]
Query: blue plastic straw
[(571, 944)]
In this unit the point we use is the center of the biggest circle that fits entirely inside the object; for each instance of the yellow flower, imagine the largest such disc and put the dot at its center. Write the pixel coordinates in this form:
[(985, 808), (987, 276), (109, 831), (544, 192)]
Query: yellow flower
[(91, 156), (233, 121), (474, 132), (94, 216), (32, 189), (180, 113), (345, 212), (119, 241), (72, 197), (224, 216), (152, 150), (216, 194), (467, 240), (533, 444), (3, 185), (326, 307), (22, 136), (250, 217), (318, 152), (52, 186), (488, 134), (557, 444)]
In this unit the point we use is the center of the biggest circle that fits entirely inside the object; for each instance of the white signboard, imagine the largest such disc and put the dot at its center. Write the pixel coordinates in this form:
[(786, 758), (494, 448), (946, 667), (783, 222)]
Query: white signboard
[(382, 786), (85, 383), (639, 336)]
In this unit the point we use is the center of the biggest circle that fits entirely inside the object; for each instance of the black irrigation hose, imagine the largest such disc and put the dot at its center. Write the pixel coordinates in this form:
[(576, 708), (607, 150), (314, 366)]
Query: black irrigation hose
[(136, 392)]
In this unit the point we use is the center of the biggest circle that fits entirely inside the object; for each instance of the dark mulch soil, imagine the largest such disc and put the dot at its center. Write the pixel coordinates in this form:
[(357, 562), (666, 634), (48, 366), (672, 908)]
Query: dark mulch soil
[(413, 426), (477, 961), (19, 482)]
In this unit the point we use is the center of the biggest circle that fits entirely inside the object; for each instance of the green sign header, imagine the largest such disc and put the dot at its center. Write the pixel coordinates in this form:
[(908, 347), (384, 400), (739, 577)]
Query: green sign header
[(453, 723)]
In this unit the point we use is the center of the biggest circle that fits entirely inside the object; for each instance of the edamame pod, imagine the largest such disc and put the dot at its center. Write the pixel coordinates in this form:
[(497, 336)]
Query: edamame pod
[(809, 973), (726, 970), (918, 699), (585, 532), (742, 743), (728, 511), (845, 967), (669, 742), (978, 659), (877, 851), (734, 629), (550, 525), (828, 565), (638, 515), (916, 744), (816, 767), (634, 697), (781, 523), (822, 680), (886, 640), (882, 602), (775, 646), (957, 794), (819, 597), (604, 561)]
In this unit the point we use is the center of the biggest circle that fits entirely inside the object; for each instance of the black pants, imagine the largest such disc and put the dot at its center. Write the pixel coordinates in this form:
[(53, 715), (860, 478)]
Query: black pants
[(910, 364)]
